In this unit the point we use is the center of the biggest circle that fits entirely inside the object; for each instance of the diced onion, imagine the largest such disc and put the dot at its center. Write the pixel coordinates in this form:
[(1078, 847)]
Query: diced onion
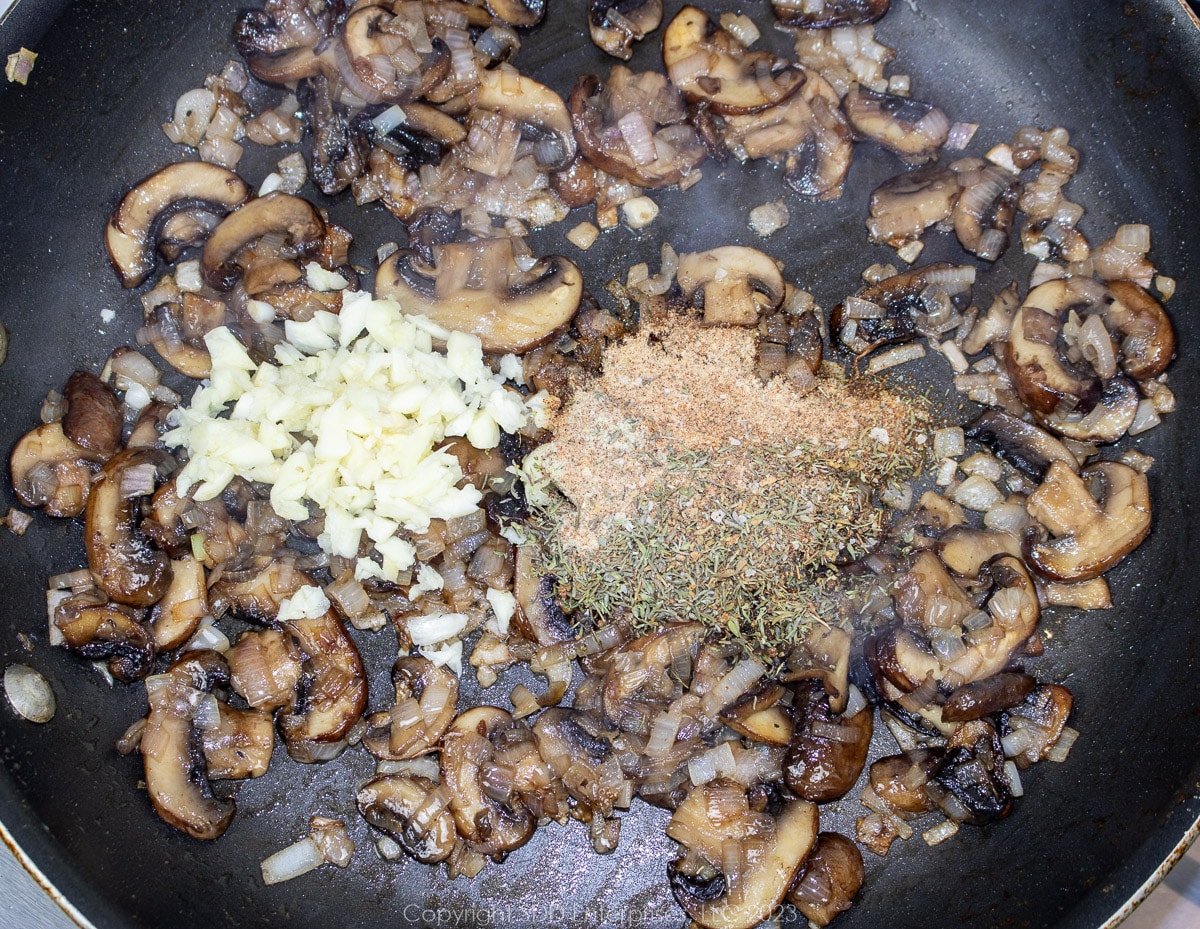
[(292, 862)]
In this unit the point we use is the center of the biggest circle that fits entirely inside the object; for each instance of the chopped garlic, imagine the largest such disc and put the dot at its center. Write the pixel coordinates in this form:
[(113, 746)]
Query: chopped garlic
[(504, 606), (435, 628), (639, 212), (348, 416), (309, 602)]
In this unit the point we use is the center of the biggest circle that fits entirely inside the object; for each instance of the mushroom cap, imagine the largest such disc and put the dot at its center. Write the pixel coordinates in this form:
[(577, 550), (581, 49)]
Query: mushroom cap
[(1149, 344), (1092, 535), (512, 319), (635, 20), (830, 13), (127, 566), (910, 128), (709, 65), (47, 452), (133, 229), (538, 110), (294, 220), (738, 284)]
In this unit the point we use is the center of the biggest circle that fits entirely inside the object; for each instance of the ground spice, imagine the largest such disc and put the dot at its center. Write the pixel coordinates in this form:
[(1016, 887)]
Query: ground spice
[(690, 490)]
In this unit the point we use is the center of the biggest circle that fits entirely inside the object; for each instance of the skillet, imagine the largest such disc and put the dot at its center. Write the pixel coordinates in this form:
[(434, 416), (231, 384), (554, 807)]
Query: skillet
[(1090, 836)]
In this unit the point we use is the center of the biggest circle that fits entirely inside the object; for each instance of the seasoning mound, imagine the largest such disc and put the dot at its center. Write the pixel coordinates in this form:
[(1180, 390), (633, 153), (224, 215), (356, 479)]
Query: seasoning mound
[(684, 488)]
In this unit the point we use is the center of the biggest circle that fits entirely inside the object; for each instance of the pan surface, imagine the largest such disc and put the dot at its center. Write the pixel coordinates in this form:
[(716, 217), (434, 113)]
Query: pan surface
[(1123, 78)]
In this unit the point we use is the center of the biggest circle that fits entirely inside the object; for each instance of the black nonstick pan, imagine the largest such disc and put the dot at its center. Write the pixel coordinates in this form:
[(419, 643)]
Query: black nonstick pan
[(1090, 835)]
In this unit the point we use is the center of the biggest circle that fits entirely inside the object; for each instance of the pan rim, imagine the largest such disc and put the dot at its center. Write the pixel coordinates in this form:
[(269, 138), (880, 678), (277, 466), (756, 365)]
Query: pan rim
[(80, 919)]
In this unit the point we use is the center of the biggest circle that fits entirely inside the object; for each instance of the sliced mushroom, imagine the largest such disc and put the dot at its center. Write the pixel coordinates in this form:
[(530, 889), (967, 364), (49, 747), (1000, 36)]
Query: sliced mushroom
[(377, 62), (928, 598), (426, 701), (902, 300), (824, 14), (150, 425), (332, 691), (126, 564), (747, 860), (1023, 445), (818, 168), (493, 827), (50, 471), (903, 207), (709, 65), (985, 697), (239, 745), (291, 225), (1149, 343), (175, 618), (132, 232), (976, 789), (829, 880), (1091, 533), (984, 213), (101, 631), (760, 717), (1043, 379), (735, 285), (172, 748), (827, 752), (477, 288), (914, 130), (537, 110), (632, 127), (412, 810), (339, 149), (965, 549), (93, 417), (1041, 719), (522, 13), (899, 780), (1108, 419), (616, 24)]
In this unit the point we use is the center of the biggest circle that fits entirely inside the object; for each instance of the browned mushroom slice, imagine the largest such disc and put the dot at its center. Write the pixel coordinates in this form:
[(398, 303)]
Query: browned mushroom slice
[(572, 744), (994, 325), (172, 750), (132, 232), (537, 110), (632, 127), (414, 811), (893, 309), (974, 787), (1108, 419), (494, 827), (332, 691), (150, 425), (102, 631), (616, 24), (340, 149), (984, 213), (824, 14), (829, 880), (905, 206), (899, 780), (477, 288), (914, 130), (928, 598), (255, 591), (1091, 532), (987, 696), (380, 64), (759, 716), (292, 226), (277, 45), (93, 417), (522, 13), (1149, 338), (965, 549), (1023, 445), (50, 471), (426, 701), (709, 65), (177, 615), (827, 752), (239, 744), (818, 168), (738, 864), (736, 285), (1036, 724), (126, 564)]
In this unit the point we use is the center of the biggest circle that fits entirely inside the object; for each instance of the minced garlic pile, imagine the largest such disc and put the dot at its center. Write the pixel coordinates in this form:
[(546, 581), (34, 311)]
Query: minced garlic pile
[(348, 416)]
